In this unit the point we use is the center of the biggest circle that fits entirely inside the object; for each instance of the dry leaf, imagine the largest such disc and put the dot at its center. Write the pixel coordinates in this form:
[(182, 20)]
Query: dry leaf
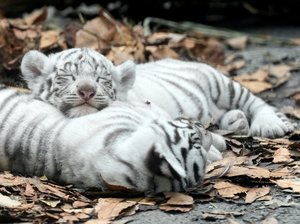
[(294, 184), (229, 190), (110, 208), (279, 173), (49, 38), (250, 171), (177, 202), (29, 191), (171, 208), (162, 52), (179, 199), (256, 82), (79, 204), (282, 155), (7, 202), (102, 32), (238, 43), (37, 16), (256, 193)]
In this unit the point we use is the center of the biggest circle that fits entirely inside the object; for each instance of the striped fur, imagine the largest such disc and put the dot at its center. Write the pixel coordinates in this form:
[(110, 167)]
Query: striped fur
[(124, 145), (187, 89)]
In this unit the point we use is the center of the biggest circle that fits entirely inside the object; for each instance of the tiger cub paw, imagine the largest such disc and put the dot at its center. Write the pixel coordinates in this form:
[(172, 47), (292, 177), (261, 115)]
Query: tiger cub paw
[(270, 124), (235, 121)]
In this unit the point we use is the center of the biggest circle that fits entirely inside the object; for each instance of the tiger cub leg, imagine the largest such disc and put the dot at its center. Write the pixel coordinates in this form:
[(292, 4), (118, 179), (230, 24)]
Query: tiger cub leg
[(235, 121), (216, 148)]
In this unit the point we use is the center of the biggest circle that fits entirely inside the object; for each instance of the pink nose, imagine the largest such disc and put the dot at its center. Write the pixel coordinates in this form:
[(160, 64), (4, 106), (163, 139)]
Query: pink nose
[(86, 94)]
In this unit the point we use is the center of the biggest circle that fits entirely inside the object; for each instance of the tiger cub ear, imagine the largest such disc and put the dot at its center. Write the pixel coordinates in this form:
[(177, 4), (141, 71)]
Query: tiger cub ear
[(32, 66), (125, 76)]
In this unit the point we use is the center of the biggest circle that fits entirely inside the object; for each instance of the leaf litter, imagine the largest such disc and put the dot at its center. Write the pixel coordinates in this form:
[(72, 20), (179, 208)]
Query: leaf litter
[(255, 164)]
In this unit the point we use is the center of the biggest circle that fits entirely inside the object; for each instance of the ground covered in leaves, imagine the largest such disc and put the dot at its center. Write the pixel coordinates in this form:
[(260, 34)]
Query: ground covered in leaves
[(258, 179)]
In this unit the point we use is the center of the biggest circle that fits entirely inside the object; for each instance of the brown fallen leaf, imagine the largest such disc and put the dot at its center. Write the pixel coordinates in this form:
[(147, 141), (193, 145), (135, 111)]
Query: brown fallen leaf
[(294, 184), (7, 180), (29, 191), (279, 173), (108, 209), (256, 193), (255, 82), (36, 17), (282, 155), (159, 52), (238, 43), (49, 38), (250, 171), (171, 208), (229, 190), (177, 202), (179, 198), (102, 32), (79, 204)]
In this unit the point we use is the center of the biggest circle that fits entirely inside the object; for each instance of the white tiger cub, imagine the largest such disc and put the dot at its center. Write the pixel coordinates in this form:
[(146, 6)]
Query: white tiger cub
[(82, 81), (123, 145)]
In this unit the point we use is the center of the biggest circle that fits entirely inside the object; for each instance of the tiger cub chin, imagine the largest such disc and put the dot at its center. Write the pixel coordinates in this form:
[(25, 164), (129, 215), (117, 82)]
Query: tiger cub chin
[(81, 81), (125, 145)]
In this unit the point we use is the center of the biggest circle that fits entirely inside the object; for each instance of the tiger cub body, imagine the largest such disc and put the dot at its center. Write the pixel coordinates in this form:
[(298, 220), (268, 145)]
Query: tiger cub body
[(82, 81), (125, 145)]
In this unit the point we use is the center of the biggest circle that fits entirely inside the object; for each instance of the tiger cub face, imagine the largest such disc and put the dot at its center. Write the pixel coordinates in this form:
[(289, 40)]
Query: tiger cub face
[(78, 81)]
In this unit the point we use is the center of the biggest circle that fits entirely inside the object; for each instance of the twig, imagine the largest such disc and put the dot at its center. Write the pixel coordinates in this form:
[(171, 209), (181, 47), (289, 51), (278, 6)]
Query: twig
[(201, 29)]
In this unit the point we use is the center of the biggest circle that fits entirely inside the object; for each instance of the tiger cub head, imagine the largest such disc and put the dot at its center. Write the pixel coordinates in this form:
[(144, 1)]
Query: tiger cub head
[(77, 81)]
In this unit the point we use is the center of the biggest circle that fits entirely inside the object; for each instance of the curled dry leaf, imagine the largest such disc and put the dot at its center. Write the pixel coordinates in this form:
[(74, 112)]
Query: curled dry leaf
[(282, 155), (177, 202), (159, 52), (229, 190), (249, 171), (256, 82), (279, 173), (256, 193), (102, 32), (179, 199), (108, 209), (49, 38), (294, 184)]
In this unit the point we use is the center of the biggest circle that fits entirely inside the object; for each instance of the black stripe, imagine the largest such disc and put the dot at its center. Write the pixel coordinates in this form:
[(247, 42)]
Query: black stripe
[(189, 81), (196, 172), (237, 104), (133, 169), (231, 93)]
